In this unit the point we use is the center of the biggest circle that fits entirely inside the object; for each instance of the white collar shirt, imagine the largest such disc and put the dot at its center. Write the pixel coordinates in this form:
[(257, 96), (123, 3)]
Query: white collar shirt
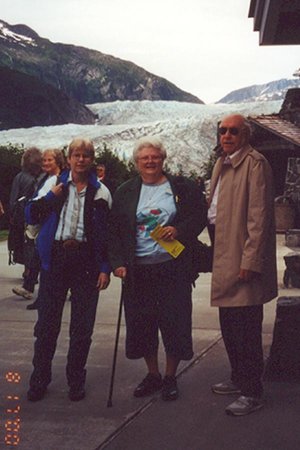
[(71, 220), (212, 210)]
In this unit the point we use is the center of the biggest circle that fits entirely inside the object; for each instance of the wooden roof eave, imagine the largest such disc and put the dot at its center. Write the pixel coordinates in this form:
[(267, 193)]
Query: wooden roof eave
[(281, 135)]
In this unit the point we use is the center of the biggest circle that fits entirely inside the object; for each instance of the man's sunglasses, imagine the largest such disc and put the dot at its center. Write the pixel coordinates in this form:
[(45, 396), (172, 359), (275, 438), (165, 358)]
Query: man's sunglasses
[(232, 130)]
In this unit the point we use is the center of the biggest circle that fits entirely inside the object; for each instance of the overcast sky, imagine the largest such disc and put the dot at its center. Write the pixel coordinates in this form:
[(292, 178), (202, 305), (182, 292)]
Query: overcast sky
[(206, 47)]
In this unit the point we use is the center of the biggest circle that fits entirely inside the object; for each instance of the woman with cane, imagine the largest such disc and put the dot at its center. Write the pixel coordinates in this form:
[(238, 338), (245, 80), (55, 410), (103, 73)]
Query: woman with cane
[(154, 221)]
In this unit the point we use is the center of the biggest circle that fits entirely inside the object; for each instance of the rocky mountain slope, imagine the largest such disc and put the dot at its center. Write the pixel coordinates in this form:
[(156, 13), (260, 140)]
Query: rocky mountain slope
[(27, 102), (86, 75), (275, 90)]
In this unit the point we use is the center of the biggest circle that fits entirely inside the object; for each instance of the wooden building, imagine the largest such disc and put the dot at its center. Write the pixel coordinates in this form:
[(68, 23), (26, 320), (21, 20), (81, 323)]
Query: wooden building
[(277, 136), (277, 21)]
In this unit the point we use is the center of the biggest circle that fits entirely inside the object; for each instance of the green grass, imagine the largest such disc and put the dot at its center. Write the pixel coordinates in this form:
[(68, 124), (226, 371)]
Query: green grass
[(3, 235)]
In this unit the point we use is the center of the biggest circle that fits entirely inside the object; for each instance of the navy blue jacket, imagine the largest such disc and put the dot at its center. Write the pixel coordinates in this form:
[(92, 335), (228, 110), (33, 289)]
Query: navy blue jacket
[(46, 212)]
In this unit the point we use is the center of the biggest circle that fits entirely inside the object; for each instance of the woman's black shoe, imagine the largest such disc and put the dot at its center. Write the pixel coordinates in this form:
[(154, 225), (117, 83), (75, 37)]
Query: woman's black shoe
[(33, 305), (76, 393), (169, 388), (150, 384), (36, 393)]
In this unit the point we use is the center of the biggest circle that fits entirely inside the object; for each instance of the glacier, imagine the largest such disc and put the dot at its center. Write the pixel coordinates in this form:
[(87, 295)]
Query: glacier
[(188, 130)]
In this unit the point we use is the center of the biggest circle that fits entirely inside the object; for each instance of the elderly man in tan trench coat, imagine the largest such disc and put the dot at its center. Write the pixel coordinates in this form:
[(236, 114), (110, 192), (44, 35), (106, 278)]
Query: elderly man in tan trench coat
[(244, 277)]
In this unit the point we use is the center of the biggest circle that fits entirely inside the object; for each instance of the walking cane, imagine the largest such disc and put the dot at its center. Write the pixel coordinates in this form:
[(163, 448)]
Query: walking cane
[(109, 401)]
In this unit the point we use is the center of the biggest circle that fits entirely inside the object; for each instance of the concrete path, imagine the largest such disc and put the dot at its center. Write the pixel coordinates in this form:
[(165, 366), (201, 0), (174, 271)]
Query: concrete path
[(196, 421)]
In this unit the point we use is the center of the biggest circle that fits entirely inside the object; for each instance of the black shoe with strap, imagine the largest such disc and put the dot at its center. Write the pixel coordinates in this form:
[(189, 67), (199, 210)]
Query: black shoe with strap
[(150, 384), (169, 388), (36, 393)]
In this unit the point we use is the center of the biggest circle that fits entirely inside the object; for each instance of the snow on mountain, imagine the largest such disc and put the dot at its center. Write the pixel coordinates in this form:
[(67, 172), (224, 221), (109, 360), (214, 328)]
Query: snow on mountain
[(274, 90), (188, 130), (6, 33)]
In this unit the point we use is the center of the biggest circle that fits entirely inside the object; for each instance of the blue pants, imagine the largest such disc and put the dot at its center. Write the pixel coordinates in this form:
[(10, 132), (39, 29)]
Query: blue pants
[(74, 270)]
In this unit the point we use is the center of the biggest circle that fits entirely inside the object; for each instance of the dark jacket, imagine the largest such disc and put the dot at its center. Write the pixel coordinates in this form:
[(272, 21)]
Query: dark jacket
[(189, 221), (46, 211), (24, 185)]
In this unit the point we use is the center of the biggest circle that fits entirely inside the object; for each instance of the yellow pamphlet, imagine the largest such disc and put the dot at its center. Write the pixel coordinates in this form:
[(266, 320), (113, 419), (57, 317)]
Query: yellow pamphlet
[(173, 247)]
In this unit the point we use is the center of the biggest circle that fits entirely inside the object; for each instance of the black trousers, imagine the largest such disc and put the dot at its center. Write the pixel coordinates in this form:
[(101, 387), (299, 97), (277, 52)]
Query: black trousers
[(241, 329), (33, 266), (160, 300), (74, 270)]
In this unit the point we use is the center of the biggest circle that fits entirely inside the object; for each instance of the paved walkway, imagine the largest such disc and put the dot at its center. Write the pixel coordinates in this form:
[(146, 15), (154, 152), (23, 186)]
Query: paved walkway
[(196, 421)]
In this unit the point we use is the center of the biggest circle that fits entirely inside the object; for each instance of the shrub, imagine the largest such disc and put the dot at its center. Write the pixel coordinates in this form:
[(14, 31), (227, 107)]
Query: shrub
[(10, 165)]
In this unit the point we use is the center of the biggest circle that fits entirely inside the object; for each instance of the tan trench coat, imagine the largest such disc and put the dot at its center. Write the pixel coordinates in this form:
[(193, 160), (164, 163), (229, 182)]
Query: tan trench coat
[(245, 231)]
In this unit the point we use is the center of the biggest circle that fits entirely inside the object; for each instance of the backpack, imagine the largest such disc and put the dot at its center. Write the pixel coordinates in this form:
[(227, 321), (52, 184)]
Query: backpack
[(15, 241)]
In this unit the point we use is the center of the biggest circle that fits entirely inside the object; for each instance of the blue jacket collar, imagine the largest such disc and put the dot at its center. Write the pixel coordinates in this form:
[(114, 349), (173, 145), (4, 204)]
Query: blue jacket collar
[(92, 179)]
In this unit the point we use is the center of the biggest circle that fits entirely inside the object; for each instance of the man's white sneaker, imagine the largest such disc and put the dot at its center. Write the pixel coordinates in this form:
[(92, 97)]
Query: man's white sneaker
[(244, 405)]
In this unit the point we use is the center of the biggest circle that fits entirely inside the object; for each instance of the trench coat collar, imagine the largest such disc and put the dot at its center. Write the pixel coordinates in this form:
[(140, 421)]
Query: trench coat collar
[(239, 158), (235, 162)]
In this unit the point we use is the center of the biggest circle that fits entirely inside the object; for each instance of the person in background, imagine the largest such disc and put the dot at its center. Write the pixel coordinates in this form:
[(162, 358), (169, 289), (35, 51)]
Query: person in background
[(1, 204), (24, 185), (201, 184), (100, 170), (244, 276), (157, 287), (53, 164), (72, 247), (102, 175)]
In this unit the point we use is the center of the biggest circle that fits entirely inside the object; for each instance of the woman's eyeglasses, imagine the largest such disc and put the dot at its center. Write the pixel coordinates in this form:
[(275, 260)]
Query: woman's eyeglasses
[(150, 158), (231, 130)]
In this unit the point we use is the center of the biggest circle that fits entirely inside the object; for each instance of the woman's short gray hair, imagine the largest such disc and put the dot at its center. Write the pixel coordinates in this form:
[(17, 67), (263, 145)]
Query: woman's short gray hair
[(148, 141)]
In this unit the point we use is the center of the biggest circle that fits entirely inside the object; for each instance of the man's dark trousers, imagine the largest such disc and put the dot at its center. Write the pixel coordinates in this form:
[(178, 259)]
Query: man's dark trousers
[(242, 334), (75, 270)]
